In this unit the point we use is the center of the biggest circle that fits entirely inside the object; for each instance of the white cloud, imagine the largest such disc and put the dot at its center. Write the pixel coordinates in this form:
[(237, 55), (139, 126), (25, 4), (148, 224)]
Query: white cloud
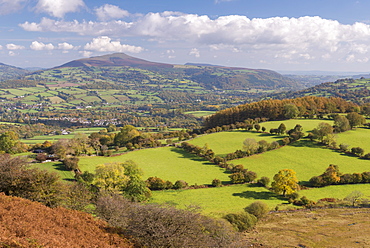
[(108, 11), (14, 47), (195, 52), (86, 53), (65, 46), (59, 8), (10, 6), (38, 46), (11, 53), (105, 44), (1, 47), (278, 37)]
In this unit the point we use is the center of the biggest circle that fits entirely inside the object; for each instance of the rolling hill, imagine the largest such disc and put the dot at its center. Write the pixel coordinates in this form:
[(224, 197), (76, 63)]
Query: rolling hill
[(354, 90), (11, 72), (125, 89)]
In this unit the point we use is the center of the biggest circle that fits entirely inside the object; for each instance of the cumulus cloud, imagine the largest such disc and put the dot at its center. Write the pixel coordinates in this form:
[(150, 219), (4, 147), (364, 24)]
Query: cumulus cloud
[(65, 46), (58, 8), (10, 6), (195, 52), (38, 46), (105, 44), (14, 47), (86, 53), (304, 38), (108, 12)]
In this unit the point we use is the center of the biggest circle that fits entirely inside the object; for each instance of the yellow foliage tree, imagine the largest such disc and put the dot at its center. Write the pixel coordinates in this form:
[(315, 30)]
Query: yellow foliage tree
[(111, 177), (285, 182)]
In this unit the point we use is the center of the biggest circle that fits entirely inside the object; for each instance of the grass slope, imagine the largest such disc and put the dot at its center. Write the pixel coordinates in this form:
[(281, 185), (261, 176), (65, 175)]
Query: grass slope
[(168, 163), (305, 158), (358, 137), (218, 201)]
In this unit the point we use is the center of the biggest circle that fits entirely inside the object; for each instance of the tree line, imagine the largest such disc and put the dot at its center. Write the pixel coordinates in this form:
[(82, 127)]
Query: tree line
[(279, 109)]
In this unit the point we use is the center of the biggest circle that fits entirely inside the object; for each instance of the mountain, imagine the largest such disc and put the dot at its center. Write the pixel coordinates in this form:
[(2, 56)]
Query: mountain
[(11, 72), (125, 89), (209, 77), (116, 59)]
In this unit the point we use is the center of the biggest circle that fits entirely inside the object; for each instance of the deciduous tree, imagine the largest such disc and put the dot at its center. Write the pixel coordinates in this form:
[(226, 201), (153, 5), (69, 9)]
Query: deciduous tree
[(285, 182)]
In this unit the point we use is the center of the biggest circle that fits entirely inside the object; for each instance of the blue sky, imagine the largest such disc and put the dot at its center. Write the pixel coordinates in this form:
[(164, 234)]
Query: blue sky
[(286, 35)]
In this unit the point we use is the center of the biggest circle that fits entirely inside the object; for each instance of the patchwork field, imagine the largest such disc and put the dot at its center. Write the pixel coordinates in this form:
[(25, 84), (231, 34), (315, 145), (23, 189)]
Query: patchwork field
[(306, 158)]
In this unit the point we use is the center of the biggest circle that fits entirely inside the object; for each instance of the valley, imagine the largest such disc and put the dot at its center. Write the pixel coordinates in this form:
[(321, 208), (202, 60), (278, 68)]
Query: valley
[(190, 136)]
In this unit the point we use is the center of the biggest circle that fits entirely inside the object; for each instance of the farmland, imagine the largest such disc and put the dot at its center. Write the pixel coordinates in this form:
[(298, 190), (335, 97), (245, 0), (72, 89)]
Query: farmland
[(305, 157)]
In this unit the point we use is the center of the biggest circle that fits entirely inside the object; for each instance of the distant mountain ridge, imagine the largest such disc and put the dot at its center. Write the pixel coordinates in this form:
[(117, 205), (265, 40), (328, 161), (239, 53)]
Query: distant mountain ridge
[(208, 76), (11, 72), (116, 59)]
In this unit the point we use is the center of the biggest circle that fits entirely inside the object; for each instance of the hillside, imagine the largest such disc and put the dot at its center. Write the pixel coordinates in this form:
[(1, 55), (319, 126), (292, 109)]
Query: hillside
[(354, 90), (10, 72), (129, 90), (30, 224)]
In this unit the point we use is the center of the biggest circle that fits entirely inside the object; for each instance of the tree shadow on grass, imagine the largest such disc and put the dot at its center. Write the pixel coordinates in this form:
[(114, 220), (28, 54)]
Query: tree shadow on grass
[(59, 167), (193, 157), (265, 195), (306, 143), (190, 156)]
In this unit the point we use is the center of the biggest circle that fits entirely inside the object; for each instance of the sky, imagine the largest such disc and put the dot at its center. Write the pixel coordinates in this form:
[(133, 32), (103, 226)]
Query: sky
[(282, 35)]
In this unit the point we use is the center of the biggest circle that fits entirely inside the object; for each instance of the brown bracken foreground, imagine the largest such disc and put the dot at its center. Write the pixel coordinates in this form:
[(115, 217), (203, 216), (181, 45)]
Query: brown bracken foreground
[(24, 223), (348, 227)]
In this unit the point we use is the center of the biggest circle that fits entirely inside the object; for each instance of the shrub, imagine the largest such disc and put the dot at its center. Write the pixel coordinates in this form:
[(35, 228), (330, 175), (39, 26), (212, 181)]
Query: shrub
[(155, 226), (71, 163), (180, 184), (155, 183), (242, 221), (358, 151), (264, 181), (258, 209), (216, 183), (366, 156)]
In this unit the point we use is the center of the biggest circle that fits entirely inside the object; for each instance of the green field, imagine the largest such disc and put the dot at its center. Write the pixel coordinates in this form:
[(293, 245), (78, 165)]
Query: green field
[(223, 143), (168, 163), (358, 137), (306, 158), (218, 201)]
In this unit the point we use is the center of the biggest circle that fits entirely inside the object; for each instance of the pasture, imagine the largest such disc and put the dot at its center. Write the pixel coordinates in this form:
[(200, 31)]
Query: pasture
[(168, 163), (358, 137), (306, 158), (223, 143)]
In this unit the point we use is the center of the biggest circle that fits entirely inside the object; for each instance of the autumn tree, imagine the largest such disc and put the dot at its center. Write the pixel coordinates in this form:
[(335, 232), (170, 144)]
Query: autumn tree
[(290, 111), (127, 134), (285, 182), (110, 177), (355, 119), (250, 146), (8, 141), (341, 124), (322, 132)]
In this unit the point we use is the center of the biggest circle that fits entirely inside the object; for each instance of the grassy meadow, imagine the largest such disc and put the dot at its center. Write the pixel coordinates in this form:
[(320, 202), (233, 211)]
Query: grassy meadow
[(306, 158), (168, 163)]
